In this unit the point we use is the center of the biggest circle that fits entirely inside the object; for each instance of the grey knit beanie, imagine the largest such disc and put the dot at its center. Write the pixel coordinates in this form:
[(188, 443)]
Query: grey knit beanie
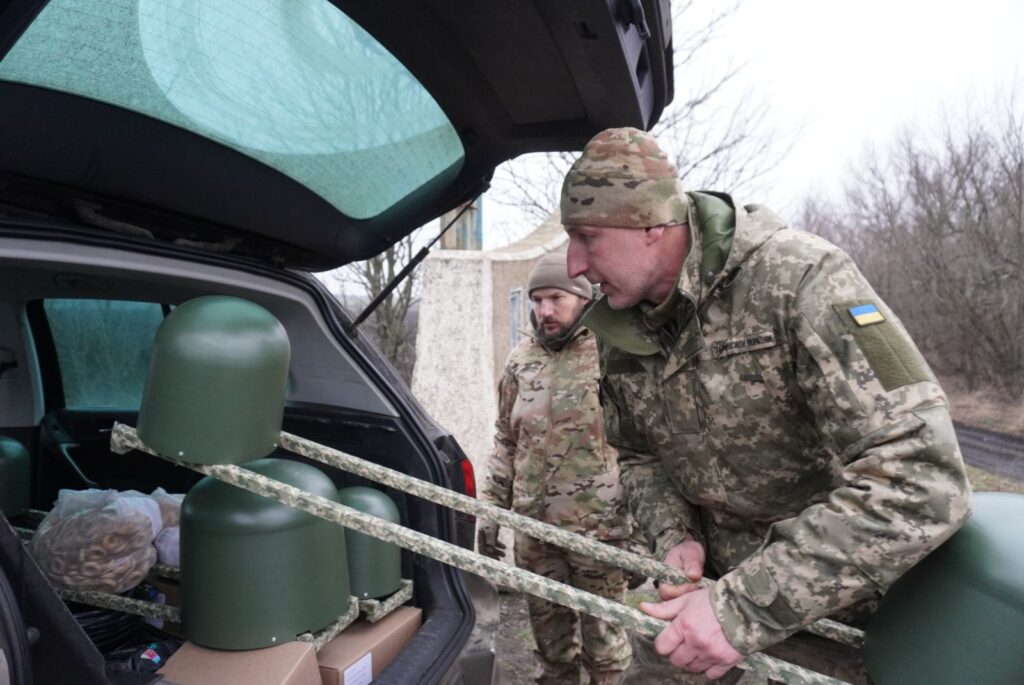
[(552, 272)]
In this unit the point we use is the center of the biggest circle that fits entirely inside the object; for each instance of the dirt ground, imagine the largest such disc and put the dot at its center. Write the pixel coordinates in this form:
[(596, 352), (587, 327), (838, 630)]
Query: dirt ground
[(515, 641), (984, 409)]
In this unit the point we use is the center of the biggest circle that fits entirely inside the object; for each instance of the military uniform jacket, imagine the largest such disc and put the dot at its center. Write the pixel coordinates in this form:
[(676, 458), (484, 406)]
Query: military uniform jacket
[(551, 460), (774, 409)]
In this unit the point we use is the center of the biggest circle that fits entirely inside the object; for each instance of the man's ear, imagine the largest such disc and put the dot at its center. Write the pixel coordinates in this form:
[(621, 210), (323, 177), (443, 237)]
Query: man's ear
[(653, 234)]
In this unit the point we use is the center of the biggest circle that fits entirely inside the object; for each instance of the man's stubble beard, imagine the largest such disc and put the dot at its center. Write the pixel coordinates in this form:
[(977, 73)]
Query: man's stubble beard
[(562, 330)]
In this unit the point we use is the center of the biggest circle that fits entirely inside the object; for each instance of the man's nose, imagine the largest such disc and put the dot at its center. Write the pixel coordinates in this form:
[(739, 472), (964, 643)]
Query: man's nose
[(575, 260), (545, 309)]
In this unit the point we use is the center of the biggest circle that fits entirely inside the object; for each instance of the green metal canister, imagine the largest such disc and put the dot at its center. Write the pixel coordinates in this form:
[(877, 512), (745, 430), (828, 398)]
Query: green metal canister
[(256, 573), (15, 477), (958, 616), (374, 566), (216, 383)]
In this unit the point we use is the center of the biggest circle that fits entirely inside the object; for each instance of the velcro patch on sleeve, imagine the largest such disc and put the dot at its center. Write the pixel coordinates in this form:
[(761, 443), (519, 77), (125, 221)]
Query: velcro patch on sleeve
[(889, 352), (749, 343)]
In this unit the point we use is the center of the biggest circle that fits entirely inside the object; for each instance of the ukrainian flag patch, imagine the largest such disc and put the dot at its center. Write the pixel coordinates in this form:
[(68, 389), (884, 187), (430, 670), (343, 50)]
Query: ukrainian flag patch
[(866, 314)]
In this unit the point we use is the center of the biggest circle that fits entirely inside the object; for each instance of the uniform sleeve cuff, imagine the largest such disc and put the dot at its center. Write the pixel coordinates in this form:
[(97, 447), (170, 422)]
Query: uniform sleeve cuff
[(752, 613), (666, 540)]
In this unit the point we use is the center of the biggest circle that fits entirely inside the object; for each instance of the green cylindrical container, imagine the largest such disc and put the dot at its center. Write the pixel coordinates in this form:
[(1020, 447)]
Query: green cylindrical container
[(374, 566), (958, 616), (15, 477), (216, 384), (256, 573)]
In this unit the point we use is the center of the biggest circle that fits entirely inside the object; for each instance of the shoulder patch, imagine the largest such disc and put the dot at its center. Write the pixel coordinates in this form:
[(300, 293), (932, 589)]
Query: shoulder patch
[(865, 314), (749, 343), (889, 352)]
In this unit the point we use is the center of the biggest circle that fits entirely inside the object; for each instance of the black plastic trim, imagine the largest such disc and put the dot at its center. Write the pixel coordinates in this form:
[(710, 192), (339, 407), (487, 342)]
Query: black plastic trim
[(46, 349), (15, 18)]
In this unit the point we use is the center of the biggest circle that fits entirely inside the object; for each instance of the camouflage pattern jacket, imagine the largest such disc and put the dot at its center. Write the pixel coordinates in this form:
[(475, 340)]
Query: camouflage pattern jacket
[(551, 460), (774, 409)]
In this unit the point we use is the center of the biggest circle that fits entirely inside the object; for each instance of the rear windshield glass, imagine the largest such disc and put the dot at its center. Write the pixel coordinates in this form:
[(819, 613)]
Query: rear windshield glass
[(103, 349), (293, 83)]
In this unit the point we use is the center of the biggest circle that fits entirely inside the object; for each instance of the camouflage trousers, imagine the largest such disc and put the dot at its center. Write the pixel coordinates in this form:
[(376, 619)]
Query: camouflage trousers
[(559, 632), (804, 649)]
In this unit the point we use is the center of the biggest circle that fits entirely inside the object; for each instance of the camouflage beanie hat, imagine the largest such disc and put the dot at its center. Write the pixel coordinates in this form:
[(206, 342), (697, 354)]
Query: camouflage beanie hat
[(552, 272), (623, 180)]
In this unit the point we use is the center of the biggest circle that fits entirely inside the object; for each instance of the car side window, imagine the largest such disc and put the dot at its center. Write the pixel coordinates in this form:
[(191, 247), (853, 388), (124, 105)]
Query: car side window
[(103, 348)]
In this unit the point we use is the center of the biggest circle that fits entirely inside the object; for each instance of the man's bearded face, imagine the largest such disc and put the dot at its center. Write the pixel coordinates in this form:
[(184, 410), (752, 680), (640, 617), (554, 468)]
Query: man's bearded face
[(556, 311)]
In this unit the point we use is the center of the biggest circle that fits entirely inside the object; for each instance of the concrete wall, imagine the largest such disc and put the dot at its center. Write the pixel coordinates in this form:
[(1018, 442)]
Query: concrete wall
[(465, 333)]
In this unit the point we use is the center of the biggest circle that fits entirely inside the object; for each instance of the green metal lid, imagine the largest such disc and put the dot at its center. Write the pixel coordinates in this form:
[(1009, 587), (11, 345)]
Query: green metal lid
[(215, 506), (958, 616), (216, 384), (374, 566), (255, 572)]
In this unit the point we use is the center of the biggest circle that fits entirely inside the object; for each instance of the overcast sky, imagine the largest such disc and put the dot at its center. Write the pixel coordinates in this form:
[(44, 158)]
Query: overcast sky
[(854, 74)]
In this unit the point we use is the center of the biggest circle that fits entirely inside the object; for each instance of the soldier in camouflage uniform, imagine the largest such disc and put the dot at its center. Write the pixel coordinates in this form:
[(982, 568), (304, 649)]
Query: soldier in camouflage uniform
[(777, 428), (551, 462)]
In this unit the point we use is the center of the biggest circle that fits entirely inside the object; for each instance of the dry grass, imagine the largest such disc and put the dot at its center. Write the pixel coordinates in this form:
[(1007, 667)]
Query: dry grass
[(983, 481), (985, 408)]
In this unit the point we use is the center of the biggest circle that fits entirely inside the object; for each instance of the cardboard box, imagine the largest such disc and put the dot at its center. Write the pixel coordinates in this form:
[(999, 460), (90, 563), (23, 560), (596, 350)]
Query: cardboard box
[(364, 649), (293, 663)]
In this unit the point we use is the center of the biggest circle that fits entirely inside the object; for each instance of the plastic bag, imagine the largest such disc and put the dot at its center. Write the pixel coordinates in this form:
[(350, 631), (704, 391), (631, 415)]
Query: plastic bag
[(168, 546), (170, 507), (98, 539)]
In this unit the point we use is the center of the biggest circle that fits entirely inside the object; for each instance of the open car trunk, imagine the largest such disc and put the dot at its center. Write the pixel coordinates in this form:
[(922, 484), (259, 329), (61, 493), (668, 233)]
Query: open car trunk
[(78, 316)]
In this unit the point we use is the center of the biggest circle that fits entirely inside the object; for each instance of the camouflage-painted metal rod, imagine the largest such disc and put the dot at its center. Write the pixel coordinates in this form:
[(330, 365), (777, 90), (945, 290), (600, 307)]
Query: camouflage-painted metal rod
[(554, 535), (322, 637), (123, 439), (136, 607), (376, 609), (837, 632), (165, 571)]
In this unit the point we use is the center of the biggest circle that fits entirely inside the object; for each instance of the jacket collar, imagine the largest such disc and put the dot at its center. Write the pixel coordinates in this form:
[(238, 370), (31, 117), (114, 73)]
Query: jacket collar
[(722, 238)]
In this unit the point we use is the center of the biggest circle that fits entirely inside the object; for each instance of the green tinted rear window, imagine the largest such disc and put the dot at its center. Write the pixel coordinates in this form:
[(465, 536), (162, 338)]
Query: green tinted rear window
[(293, 83), (103, 349)]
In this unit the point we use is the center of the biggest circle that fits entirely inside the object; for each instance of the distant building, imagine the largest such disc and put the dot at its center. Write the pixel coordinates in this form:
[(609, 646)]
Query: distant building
[(473, 310)]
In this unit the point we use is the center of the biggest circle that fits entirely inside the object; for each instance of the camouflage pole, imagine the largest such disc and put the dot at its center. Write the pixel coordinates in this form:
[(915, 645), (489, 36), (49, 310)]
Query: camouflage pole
[(524, 524), (124, 439), (469, 505), (108, 600)]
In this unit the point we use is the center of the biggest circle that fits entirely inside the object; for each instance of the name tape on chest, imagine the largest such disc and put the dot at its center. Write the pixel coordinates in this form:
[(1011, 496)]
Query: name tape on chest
[(750, 343)]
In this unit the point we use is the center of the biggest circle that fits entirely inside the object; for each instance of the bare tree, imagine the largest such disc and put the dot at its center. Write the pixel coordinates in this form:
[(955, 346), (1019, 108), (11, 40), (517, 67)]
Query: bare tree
[(715, 142), (389, 327), (938, 227)]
